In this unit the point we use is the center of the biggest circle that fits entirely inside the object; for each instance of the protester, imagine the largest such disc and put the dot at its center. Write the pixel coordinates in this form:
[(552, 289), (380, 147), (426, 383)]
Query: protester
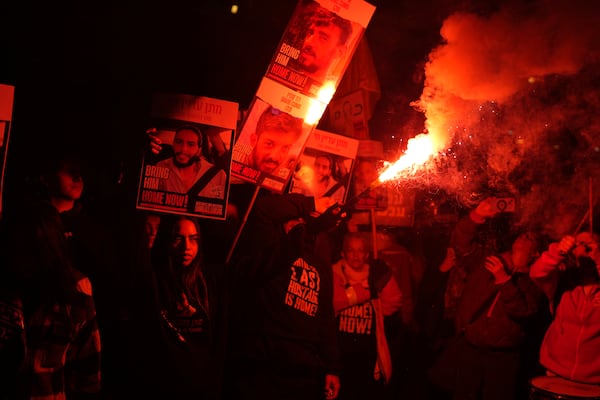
[(282, 339), (64, 180), (49, 340), (498, 302), (180, 328), (365, 292), (568, 274)]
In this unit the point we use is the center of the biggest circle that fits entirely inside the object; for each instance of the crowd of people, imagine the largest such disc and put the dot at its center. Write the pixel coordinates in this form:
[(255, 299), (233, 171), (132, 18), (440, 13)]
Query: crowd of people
[(147, 304)]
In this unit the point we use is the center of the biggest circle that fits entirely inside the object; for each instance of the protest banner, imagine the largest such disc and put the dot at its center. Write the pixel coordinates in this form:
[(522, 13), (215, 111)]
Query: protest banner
[(190, 175), (318, 44), (325, 166), (301, 79)]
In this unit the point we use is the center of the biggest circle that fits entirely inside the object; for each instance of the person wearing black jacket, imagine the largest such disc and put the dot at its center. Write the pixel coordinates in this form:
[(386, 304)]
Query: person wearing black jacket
[(282, 342)]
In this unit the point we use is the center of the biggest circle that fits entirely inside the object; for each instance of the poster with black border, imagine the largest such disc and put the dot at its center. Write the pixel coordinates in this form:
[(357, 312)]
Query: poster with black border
[(325, 166), (191, 173), (7, 95), (318, 44), (273, 135)]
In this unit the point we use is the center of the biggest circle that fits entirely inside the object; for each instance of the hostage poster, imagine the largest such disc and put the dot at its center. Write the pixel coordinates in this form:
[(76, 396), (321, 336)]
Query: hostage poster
[(318, 44), (190, 173), (325, 166), (270, 141)]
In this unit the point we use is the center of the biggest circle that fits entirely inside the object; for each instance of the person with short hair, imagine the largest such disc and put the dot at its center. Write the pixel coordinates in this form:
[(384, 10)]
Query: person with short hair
[(188, 165), (325, 42), (273, 137), (323, 183), (365, 293)]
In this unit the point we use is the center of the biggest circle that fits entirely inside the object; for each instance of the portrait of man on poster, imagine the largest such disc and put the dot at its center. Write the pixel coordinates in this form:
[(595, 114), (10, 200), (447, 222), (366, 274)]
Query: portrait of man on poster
[(324, 42), (265, 146), (189, 170)]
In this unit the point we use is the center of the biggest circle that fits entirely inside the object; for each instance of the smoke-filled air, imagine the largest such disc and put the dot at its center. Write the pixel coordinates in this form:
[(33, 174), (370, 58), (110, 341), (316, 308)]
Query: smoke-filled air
[(512, 107)]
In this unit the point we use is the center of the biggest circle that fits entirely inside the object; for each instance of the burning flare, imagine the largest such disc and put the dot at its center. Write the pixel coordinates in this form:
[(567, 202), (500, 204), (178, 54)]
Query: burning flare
[(419, 149)]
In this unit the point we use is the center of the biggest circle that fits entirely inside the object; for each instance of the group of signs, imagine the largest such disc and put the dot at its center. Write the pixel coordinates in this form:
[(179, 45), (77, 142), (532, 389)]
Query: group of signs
[(206, 146)]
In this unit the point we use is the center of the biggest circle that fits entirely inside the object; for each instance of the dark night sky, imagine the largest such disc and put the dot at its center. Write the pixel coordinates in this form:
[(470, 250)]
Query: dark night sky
[(86, 70), (504, 86)]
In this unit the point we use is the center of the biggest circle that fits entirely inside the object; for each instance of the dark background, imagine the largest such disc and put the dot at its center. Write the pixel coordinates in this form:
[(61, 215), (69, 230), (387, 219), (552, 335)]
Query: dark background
[(84, 71)]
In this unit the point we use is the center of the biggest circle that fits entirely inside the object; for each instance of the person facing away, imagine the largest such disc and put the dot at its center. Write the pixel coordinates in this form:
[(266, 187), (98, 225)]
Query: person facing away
[(325, 42), (188, 165), (364, 293), (282, 342), (568, 274), (323, 183), (499, 303), (92, 246), (273, 137), (181, 332), (49, 339)]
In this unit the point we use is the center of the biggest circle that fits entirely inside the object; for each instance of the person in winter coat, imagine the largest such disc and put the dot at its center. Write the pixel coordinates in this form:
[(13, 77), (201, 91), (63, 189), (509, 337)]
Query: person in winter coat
[(364, 292), (568, 274), (283, 342), (498, 303)]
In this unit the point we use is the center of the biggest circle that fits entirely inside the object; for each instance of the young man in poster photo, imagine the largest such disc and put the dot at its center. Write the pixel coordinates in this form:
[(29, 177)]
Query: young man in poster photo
[(274, 135), (187, 165), (322, 182), (325, 43)]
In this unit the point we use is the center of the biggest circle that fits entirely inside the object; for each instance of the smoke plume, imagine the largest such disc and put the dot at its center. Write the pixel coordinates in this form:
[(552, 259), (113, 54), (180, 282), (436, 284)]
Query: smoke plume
[(512, 100)]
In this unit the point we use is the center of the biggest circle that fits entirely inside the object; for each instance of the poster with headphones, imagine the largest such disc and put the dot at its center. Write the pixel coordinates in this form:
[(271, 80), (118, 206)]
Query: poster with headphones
[(325, 166), (186, 168)]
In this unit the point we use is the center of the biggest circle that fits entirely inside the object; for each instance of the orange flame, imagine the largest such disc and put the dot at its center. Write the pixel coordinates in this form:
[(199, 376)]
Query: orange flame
[(418, 151)]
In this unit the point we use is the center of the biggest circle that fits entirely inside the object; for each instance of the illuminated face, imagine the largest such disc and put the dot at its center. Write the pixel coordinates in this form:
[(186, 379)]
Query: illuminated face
[(69, 184), (524, 250), (271, 149), (186, 147), (355, 253), (185, 242), (586, 245), (322, 168), (320, 48)]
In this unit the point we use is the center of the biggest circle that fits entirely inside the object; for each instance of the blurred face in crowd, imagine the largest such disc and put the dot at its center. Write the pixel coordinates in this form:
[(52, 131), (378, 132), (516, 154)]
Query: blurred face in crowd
[(355, 253), (185, 243), (524, 250), (271, 149), (586, 245), (69, 182), (186, 147)]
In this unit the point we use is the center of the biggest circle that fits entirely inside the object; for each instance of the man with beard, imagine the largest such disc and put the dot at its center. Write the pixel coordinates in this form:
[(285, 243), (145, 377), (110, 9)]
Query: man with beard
[(325, 43), (274, 135), (323, 183), (187, 166), (568, 273)]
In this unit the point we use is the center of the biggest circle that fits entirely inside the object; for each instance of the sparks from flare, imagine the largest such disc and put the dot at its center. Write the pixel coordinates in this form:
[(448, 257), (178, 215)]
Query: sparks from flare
[(419, 149)]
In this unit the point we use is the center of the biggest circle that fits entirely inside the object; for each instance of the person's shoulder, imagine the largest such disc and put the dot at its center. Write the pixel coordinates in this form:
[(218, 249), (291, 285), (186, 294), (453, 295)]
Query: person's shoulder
[(167, 162)]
